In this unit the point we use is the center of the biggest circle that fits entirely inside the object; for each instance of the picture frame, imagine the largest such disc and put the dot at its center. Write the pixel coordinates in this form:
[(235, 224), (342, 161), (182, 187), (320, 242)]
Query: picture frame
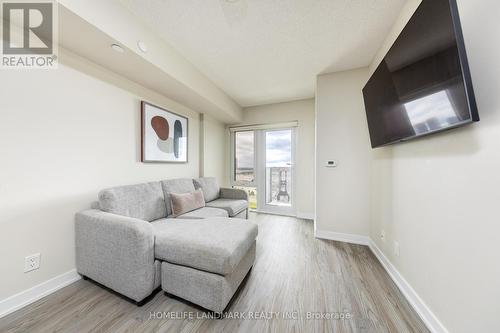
[(164, 135)]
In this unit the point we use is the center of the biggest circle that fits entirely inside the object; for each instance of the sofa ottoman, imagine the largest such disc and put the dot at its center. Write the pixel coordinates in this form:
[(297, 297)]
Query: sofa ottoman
[(204, 261)]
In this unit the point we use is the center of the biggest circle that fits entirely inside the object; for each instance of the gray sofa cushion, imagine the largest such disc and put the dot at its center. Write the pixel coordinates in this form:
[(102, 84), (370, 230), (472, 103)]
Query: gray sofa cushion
[(233, 193), (233, 207), (180, 185), (140, 201), (204, 244), (204, 212), (209, 186)]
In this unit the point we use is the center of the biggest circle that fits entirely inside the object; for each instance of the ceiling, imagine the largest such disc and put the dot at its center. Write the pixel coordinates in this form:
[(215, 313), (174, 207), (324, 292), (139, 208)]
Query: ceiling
[(268, 51)]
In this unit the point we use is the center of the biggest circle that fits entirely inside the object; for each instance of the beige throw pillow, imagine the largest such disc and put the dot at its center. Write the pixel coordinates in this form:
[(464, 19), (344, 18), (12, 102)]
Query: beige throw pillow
[(186, 202)]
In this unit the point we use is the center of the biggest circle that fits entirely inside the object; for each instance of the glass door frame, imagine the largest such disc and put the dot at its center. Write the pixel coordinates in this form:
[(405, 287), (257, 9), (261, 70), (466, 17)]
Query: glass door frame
[(262, 205), (240, 183), (259, 182)]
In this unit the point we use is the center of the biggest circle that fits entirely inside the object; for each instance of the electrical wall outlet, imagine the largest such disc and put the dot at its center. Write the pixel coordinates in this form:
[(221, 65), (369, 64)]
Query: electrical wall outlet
[(32, 262), (382, 235), (396, 249)]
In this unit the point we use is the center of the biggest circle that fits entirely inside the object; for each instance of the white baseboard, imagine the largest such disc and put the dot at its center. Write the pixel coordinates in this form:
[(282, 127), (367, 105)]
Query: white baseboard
[(33, 294), (429, 319), (341, 237), (305, 216), (423, 311)]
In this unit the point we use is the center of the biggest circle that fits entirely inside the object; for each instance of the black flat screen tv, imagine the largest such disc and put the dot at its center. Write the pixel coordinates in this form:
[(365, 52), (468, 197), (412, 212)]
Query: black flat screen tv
[(423, 84)]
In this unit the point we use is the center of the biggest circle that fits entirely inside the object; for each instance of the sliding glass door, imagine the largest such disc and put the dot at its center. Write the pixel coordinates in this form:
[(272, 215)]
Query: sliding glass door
[(243, 170), (277, 171), (263, 165)]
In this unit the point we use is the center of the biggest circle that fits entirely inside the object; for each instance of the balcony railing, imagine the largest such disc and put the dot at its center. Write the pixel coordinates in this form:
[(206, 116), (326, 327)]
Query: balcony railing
[(279, 186)]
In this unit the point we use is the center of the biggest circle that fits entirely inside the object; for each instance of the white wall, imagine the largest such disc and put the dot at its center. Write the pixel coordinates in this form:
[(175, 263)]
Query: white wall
[(342, 193), (439, 196), (303, 112), (213, 149), (64, 135)]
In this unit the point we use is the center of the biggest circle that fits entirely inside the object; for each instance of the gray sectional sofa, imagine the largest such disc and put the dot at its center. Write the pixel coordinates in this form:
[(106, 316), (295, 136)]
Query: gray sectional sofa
[(130, 243)]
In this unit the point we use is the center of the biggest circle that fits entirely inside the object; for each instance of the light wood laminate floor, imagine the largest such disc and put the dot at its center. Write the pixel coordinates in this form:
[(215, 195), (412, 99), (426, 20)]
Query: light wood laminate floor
[(294, 274)]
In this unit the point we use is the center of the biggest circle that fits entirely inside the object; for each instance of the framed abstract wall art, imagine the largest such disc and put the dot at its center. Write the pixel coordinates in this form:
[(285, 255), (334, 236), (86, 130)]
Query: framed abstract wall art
[(164, 135)]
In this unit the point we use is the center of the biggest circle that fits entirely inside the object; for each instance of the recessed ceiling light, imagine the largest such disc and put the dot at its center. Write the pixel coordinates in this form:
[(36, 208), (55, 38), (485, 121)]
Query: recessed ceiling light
[(142, 46), (117, 48)]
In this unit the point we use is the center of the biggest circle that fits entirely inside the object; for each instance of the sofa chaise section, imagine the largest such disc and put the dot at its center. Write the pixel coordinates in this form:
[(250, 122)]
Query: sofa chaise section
[(205, 261), (209, 290), (214, 245)]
